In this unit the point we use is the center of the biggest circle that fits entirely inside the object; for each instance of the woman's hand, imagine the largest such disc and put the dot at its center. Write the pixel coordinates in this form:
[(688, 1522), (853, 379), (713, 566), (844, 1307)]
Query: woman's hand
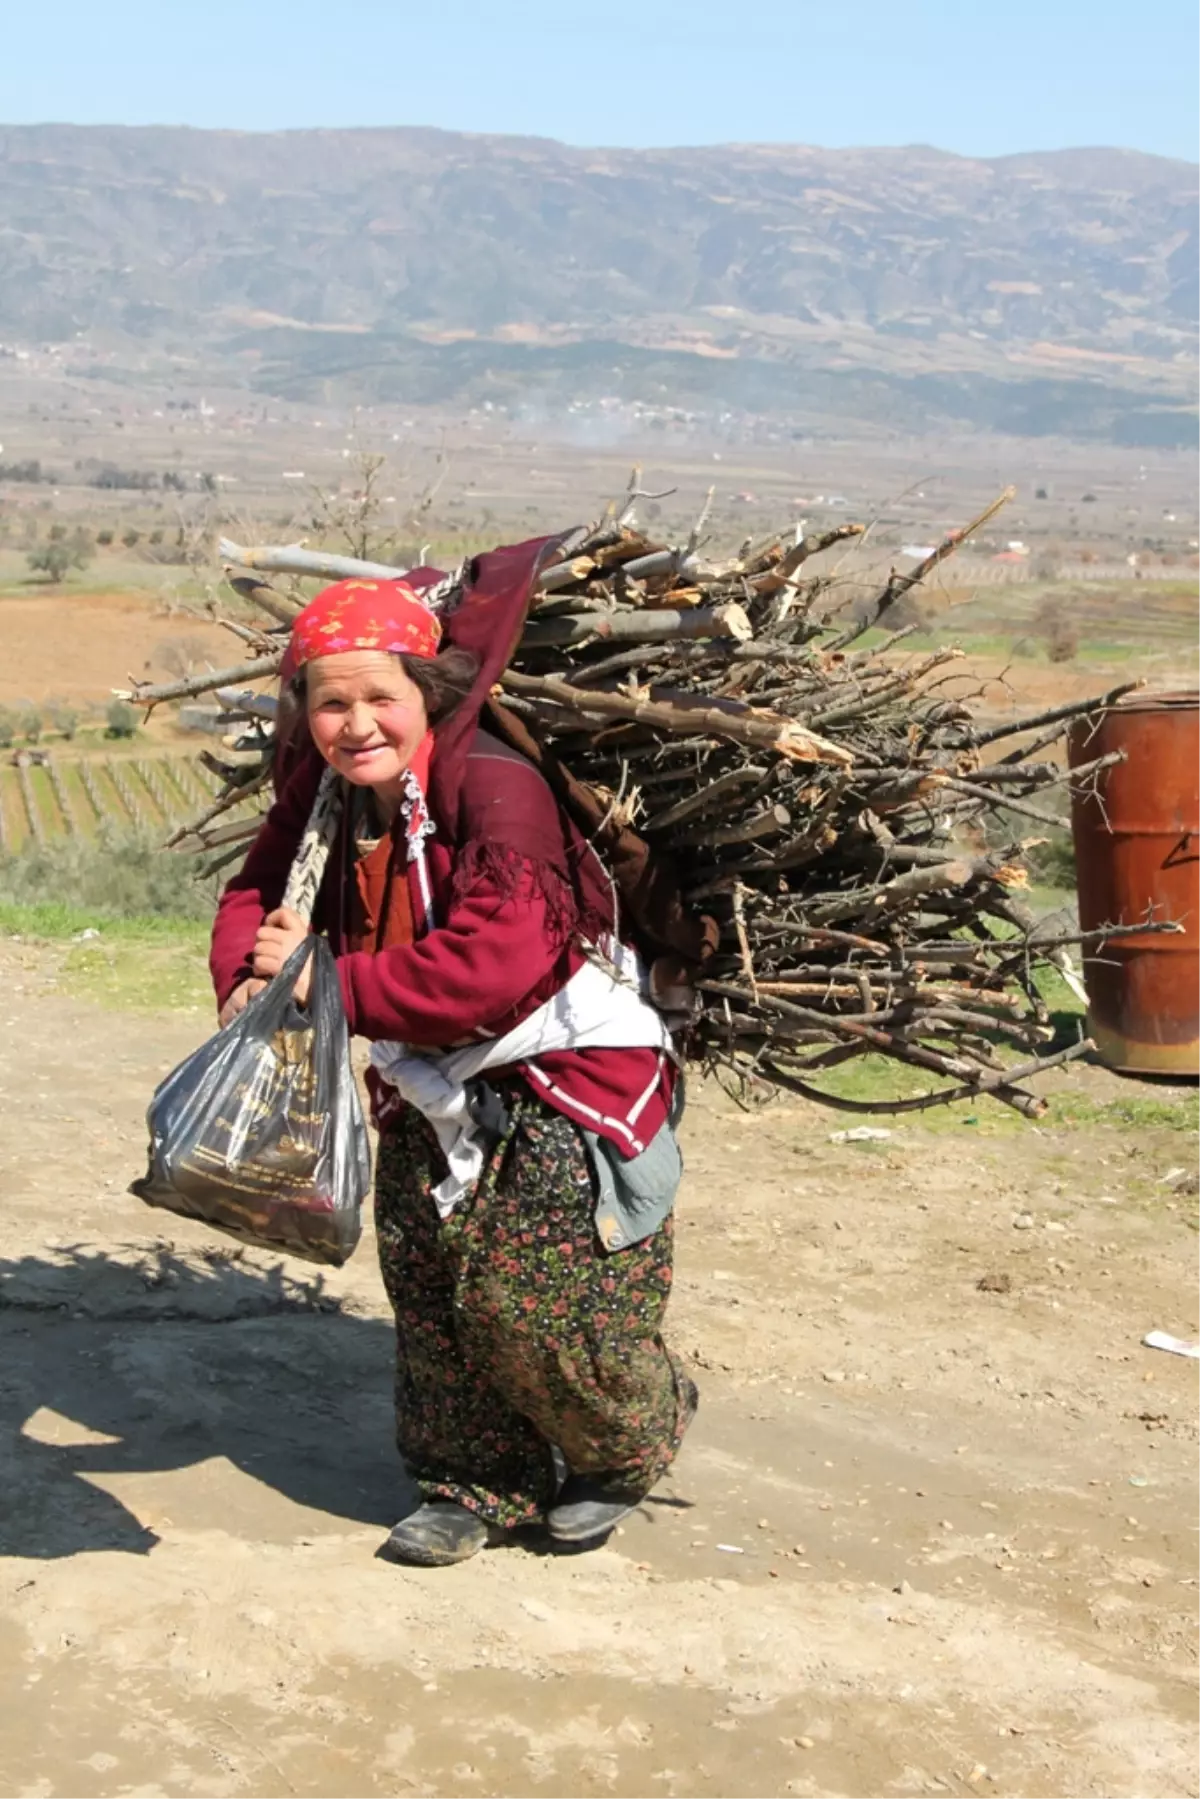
[(238, 1000), (672, 991), (280, 933)]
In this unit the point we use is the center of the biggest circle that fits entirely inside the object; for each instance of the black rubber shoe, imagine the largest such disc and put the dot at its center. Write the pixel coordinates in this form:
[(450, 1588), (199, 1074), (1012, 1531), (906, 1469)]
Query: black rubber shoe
[(590, 1505), (436, 1535)]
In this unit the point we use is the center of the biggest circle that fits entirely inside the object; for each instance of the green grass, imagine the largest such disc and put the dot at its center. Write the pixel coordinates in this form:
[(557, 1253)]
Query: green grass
[(873, 1079), (1024, 642), (140, 962), (1135, 1112), (152, 972), (151, 918), (53, 921), (147, 917)]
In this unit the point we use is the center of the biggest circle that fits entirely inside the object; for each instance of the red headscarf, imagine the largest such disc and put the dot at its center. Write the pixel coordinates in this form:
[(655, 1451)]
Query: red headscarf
[(364, 615)]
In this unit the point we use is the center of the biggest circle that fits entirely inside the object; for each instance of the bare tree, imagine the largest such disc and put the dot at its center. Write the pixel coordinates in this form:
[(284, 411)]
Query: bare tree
[(181, 656)]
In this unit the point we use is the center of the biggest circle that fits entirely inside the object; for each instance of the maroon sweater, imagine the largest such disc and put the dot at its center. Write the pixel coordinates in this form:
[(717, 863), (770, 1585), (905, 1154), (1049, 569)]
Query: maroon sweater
[(500, 937)]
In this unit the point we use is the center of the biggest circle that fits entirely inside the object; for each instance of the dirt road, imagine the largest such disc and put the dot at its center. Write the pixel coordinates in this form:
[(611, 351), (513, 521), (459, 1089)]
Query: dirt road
[(926, 1536)]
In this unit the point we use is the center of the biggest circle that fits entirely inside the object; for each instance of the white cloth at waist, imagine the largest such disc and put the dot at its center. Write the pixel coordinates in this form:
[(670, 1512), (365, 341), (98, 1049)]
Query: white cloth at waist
[(598, 1008)]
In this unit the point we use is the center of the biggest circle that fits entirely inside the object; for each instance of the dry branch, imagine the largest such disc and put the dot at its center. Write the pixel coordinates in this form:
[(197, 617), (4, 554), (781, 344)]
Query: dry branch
[(145, 693)]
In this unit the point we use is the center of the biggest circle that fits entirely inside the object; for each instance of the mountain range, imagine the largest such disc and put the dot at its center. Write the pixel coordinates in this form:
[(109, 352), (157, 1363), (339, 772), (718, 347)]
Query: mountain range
[(898, 289)]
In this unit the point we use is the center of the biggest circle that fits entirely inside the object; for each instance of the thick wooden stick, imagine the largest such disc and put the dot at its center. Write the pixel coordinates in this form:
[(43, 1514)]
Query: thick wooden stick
[(812, 545), (664, 626), (672, 562), (244, 699), (294, 559), (259, 594), (565, 574), (767, 823), (240, 831), (327, 565), (943, 877), (142, 694), (682, 716)]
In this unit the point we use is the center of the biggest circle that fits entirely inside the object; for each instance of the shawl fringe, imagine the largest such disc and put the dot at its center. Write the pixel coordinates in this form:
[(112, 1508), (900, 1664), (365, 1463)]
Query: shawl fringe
[(506, 871)]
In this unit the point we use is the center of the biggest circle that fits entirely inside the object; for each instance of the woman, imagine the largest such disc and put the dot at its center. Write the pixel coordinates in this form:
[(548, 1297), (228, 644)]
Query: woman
[(522, 1087)]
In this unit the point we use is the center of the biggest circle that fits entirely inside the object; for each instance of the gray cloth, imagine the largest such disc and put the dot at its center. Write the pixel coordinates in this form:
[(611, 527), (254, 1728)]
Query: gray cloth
[(635, 1193)]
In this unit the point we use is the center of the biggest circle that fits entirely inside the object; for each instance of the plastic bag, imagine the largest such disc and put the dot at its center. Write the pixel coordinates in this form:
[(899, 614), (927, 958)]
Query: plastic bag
[(260, 1133)]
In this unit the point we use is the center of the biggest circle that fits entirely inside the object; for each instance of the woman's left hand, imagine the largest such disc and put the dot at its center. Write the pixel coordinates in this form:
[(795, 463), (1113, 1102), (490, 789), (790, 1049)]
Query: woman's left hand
[(280, 933), (672, 991)]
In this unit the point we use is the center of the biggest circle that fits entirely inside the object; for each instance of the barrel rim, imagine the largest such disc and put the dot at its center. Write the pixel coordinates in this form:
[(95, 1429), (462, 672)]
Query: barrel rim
[(1171, 700)]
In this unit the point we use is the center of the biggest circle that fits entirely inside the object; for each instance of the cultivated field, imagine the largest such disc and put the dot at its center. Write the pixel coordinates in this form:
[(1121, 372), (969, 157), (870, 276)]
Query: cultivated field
[(85, 795)]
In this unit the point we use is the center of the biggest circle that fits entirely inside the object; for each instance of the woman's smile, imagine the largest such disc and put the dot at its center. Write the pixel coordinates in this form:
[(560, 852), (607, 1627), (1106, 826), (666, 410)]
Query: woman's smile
[(360, 749)]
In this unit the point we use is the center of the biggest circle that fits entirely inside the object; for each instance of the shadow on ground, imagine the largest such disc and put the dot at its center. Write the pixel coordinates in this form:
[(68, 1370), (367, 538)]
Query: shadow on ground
[(145, 1361)]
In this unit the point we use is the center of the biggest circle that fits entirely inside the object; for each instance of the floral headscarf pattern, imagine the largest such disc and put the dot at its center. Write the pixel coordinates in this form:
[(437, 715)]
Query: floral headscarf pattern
[(364, 615)]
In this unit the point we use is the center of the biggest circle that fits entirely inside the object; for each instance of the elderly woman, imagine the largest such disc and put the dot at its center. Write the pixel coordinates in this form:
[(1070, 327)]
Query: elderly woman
[(522, 1086)]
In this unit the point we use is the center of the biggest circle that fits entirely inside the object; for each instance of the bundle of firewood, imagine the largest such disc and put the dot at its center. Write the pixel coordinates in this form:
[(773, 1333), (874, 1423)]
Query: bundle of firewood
[(856, 830)]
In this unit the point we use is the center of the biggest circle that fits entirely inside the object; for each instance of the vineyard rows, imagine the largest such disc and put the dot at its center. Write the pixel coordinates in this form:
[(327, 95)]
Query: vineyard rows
[(64, 799)]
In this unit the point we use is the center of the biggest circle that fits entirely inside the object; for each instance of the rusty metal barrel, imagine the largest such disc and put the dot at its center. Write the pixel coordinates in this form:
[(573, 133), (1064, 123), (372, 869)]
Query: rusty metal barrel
[(1137, 847)]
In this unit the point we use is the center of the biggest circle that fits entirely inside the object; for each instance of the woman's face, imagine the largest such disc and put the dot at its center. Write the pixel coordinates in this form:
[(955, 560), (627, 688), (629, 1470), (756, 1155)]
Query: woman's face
[(366, 716)]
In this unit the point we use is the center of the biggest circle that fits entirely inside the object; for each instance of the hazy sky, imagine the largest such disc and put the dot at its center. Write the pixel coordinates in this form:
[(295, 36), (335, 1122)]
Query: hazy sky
[(979, 79)]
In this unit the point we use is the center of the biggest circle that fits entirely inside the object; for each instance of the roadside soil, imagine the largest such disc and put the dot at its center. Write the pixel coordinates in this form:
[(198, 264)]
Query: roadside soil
[(76, 645), (932, 1532)]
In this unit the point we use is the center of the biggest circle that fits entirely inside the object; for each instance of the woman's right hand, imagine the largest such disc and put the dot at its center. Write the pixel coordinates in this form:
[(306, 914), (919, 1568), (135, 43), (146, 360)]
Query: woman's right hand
[(238, 1000)]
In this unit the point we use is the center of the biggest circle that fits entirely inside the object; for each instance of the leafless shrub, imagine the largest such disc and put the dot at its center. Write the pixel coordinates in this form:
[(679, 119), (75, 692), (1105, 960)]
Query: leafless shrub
[(1059, 630)]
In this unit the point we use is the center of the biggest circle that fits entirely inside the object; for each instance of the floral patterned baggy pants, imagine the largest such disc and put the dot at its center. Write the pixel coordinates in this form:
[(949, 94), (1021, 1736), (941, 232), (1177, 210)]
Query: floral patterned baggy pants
[(515, 1328)]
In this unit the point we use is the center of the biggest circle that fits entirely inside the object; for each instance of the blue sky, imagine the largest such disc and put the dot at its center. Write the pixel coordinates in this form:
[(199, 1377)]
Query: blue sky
[(981, 80)]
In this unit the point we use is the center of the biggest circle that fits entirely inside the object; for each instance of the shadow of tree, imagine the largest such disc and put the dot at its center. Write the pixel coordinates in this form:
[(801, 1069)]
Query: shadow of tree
[(133, 1359)]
